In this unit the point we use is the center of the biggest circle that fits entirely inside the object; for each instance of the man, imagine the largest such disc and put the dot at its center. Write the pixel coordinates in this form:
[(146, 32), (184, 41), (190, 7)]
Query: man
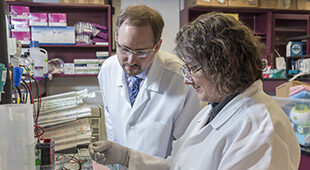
[(147, 106)]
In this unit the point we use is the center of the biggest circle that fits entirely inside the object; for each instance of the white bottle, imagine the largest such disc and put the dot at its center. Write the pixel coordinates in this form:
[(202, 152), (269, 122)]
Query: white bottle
[(39, 55)]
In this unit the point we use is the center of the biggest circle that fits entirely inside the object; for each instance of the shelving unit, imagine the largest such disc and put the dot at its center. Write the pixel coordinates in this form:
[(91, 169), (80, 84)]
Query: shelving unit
[(99, 14), (287, 26), (295, 58), (254, 18), (271, 25)]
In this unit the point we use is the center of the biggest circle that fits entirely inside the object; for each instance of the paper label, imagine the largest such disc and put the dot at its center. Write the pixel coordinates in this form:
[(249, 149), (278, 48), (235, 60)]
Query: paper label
[(3, 76)]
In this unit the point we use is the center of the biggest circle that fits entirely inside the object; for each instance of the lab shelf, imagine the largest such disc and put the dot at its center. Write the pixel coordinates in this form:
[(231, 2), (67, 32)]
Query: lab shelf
[(75, 75), (70, 46), (98, 14), (273, 26)]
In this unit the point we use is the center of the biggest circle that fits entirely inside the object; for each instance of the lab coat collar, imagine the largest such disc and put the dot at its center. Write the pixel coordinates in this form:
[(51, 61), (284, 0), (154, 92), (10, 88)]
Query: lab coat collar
[(153, 79), (152, 82), (120, 81), (231, 108)]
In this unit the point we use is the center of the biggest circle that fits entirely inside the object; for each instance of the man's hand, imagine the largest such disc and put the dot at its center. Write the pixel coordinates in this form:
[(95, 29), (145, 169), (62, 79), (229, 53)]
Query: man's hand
[(107, 153)]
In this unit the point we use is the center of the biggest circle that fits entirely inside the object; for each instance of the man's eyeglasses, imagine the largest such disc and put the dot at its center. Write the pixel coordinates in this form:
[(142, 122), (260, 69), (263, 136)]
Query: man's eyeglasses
[(187, 72), (138, 53)]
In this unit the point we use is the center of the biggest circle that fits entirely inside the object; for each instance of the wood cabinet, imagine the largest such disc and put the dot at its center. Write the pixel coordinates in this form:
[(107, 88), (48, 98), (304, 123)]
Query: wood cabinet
[(286, 26), (98, 14)]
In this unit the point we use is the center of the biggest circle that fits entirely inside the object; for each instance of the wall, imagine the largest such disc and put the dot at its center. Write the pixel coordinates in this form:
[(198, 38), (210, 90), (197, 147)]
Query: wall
[(169, 10)]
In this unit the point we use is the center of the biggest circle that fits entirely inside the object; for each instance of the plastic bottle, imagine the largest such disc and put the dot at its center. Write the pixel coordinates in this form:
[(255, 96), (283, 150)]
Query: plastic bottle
[(39, 55), (28, 62)]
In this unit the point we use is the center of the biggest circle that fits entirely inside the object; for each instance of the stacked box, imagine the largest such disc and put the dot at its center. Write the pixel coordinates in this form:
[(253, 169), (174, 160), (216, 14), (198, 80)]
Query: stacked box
[(57, 19), (191, 3), (53, 35), (293, 49), (82, 1), (69, 68), (303, 4), (66, 1), (102, 54), (243, 3), (287, 4), (97, 124), (20, 22), (38, 19), (272, 4), (87, 66)]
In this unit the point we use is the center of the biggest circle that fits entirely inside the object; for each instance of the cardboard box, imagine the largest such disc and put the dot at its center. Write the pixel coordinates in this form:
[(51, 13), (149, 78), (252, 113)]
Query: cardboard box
[(303, 4), (38, 19), (20, 10), (293, 49), (191, 3), (287, 4), (53, 35), (22, 36), (57, 19), (81, 1), (96, 1), (66, 1), (271, 4), (243, 3), (283, 90)]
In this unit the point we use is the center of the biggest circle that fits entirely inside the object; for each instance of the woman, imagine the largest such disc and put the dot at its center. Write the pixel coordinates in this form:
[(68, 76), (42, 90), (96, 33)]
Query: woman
[(242, 128)]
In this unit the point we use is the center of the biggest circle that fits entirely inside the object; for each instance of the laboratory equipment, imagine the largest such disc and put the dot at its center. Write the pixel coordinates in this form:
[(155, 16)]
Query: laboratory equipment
[(300, 118), (17, 137), (14, 50), (39, 55), (27, 63), (298, 112), (2, 77)]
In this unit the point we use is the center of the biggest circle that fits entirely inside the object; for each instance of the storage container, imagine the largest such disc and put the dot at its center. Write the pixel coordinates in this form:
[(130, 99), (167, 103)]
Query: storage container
[(17, 137), (298, 111)]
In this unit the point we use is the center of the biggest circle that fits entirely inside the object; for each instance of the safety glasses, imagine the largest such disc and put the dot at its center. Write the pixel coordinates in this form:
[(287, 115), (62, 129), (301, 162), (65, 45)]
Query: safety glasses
[(138, 53), (187, 72)]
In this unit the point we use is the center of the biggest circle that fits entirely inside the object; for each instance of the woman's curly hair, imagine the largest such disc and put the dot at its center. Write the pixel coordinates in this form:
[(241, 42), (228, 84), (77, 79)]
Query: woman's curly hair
[(227, 50)]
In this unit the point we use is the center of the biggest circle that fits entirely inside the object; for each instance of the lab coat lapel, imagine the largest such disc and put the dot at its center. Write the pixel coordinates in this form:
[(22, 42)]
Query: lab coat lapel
[(234, 105), (151, 84), (122, 84), (201, 131), (196, 132)]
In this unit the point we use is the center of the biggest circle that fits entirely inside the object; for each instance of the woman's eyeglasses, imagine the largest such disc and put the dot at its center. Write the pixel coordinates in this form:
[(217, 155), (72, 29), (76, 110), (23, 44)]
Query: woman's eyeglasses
[(187, 72)]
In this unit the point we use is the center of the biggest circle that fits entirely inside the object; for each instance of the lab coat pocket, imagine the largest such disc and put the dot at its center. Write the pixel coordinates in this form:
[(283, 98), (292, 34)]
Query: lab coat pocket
[(157, 138)]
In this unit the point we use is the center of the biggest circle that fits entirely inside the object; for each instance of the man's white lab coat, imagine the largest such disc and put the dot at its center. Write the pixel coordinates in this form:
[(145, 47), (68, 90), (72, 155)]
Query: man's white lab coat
[(161, 113), (250, 132)]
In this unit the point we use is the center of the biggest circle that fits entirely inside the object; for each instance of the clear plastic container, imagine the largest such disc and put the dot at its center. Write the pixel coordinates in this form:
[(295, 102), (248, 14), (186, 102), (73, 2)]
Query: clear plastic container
[(39, 55), (17, 137), (298, 111)]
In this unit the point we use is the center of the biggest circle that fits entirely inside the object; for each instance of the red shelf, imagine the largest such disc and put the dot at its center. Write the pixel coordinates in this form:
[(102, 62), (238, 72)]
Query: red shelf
[(260, 33), (280, 43), (75, 75), (291, 29), (71, 46)]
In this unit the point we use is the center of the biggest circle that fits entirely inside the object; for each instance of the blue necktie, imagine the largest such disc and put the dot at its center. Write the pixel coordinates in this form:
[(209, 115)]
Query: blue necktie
[(134, 85)]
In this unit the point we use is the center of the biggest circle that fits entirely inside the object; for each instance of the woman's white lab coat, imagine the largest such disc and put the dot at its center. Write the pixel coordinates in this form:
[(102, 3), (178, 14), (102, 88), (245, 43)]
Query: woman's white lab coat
[(250, 132)]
